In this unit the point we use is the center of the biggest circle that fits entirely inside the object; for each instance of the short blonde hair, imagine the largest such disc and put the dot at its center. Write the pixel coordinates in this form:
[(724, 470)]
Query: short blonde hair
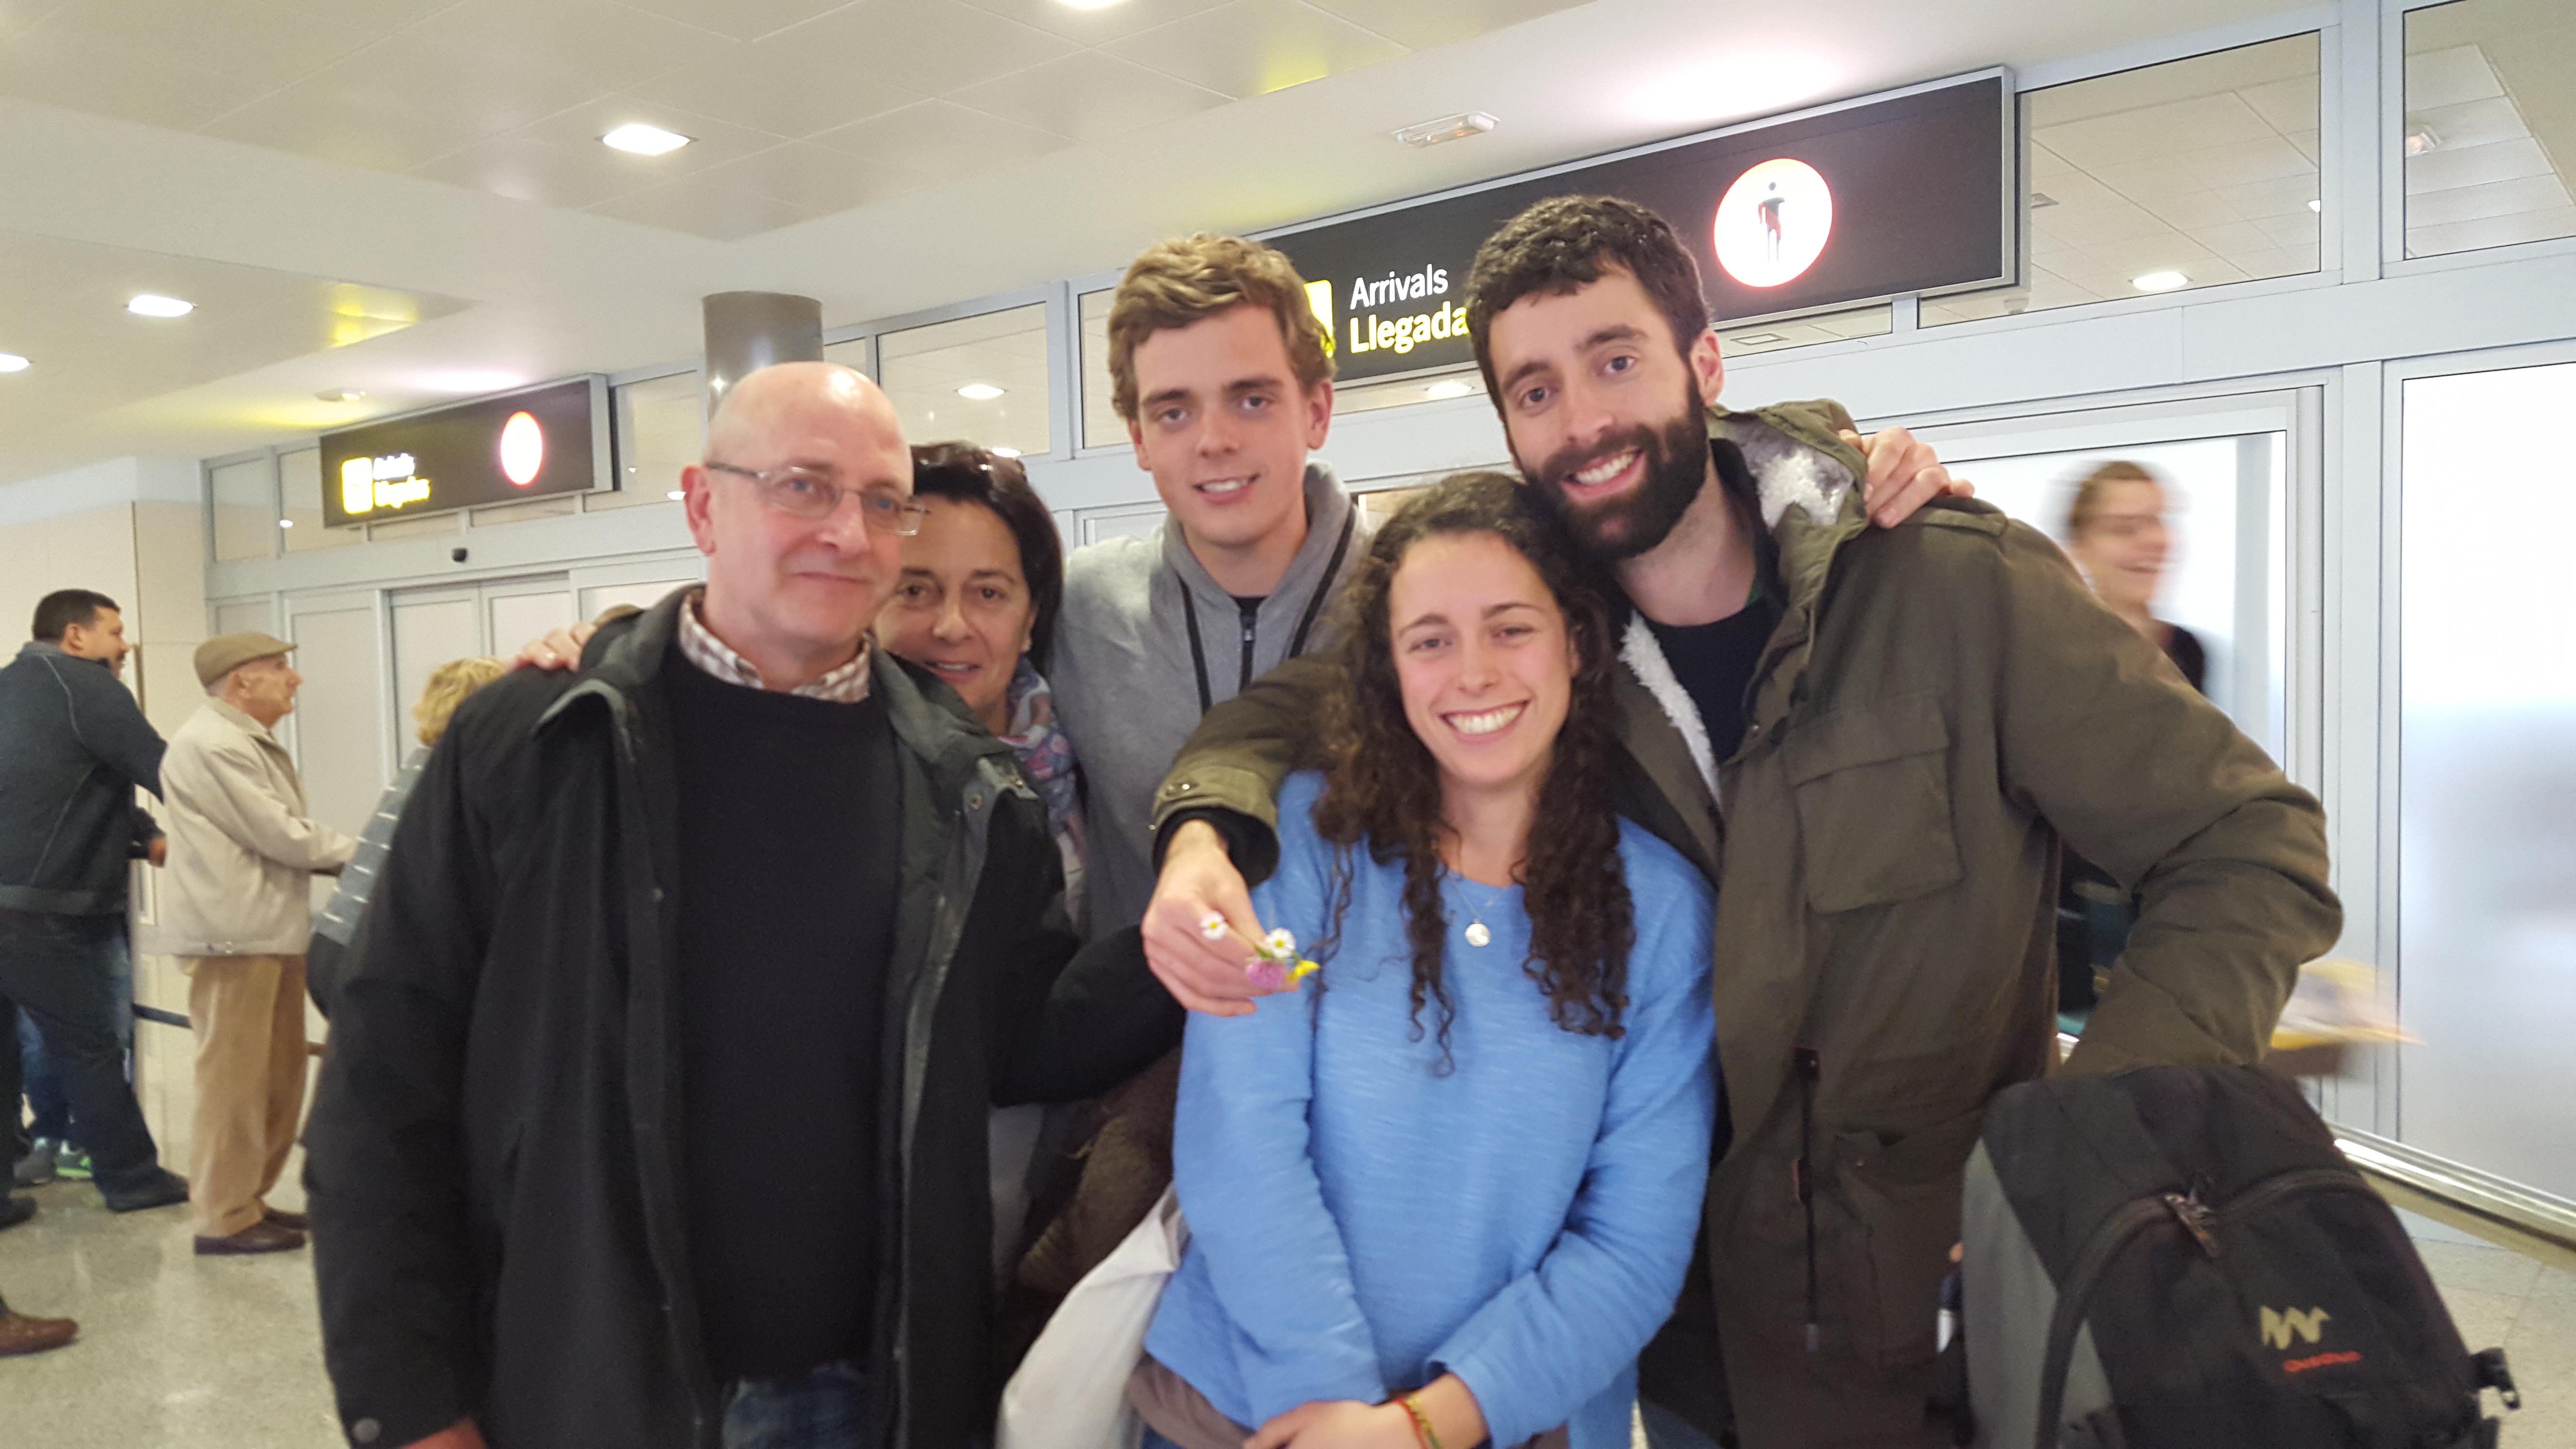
[(448, 686), (1186, 279)]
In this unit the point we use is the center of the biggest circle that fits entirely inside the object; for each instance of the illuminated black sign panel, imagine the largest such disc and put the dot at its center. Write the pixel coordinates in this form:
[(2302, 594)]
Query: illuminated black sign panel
[(1853, 204), (528, 444)]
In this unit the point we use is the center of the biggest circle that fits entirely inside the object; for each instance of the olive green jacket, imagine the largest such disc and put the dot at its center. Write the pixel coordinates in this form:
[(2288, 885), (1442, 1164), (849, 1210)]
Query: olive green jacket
[(1940, 704)]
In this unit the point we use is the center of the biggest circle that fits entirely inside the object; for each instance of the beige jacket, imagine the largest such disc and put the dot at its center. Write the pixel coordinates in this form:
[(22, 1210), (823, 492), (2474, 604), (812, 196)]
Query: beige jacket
[(242, 850)]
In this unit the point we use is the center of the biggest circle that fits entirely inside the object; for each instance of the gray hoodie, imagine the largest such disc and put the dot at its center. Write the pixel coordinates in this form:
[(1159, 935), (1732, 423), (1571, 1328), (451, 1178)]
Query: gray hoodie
[(1129, 689)]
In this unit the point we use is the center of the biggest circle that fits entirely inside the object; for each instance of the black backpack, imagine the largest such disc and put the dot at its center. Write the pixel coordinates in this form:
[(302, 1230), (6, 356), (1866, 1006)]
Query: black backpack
[(2180, 1258)]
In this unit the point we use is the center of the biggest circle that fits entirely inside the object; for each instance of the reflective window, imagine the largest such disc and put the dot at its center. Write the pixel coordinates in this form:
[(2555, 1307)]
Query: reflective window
[(244, 504), (853, 354), (299, 487), (2490, 124), (2189, 174), (660, 430), (983, 379), (1744, 338), (1101, 425), (495, 515), (1366, 397), (2487, 786)]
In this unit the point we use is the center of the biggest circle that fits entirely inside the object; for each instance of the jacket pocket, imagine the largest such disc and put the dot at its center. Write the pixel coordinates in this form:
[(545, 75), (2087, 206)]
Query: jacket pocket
[(1905, 1195), (1873, 794)]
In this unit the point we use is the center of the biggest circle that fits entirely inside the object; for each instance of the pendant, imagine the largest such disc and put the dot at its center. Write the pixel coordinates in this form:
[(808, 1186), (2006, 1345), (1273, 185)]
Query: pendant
[(1477, 935)]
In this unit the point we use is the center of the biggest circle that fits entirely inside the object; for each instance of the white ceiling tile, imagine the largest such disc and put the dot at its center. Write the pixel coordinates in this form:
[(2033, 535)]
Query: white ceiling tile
[(2194, 210), (2298, 229), (1091, 27), (606, 44), (943, 139), (2269, 159), (2450, 76), (1254, 47), (1089, 95), (740, 19), (778, 89), (376, 17), (2476, 165), (2233, 238), (706, 208), (2499, 231), (2105, 221), (2289, 105), (2199, 123), (2481, 203), (927, 46), (2047, 165), (17, 15), (355, 112), (550, 173), (2473, 123), (820, 178), (259, 44), (85, 74), (1422, 24)]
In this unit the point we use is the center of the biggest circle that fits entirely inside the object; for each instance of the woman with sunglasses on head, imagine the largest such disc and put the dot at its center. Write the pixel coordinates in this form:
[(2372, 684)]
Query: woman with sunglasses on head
[(1447, 1192)]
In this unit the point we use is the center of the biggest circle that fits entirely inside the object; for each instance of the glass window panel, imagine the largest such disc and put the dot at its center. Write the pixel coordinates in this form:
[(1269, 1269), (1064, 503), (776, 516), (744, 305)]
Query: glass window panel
[(2189, 174), (419, 526), (1101, 425), (502, 513), (661, 429), (2225, 569), (245, 508), (2490, 124), (852, 354), (983, 379), (1367, 397), (299, 484), (1742, 339), (2487, 787)]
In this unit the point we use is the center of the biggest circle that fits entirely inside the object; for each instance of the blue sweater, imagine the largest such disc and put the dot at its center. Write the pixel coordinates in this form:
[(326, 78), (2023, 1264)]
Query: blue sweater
[(1360, 1225)]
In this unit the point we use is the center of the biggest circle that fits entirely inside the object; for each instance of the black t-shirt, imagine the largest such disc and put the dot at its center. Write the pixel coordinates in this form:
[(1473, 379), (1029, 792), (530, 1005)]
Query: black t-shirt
[(788, 826), (1714, 663)]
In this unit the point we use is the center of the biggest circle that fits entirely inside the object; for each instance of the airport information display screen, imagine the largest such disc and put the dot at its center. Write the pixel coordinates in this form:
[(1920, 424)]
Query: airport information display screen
[(1848, 205), (525, 444)]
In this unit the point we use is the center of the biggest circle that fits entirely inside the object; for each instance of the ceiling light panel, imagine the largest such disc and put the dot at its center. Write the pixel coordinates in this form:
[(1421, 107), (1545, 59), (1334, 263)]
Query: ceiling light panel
[(153, 304), (644, 140), (12, 362), (1447, 128)]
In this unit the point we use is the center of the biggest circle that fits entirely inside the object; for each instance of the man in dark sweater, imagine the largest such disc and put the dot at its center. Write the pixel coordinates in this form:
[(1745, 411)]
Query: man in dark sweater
[(74, 747), (655, 1107)]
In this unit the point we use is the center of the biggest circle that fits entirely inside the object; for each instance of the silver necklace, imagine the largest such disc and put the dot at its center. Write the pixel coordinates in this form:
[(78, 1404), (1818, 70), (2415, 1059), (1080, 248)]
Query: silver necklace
[(1476, 933)]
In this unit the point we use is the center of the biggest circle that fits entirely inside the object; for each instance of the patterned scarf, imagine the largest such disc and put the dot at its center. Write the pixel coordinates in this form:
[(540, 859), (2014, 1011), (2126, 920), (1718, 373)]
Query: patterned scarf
[(1045, 752)]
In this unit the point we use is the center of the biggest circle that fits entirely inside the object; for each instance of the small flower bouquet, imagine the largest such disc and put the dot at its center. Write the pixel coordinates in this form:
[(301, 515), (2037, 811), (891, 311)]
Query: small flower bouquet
[(1275, 965)]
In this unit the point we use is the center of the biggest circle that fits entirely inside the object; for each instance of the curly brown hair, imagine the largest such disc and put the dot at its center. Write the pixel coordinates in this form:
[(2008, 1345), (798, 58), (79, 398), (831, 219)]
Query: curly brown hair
[(1382, 786), (1567, 242)]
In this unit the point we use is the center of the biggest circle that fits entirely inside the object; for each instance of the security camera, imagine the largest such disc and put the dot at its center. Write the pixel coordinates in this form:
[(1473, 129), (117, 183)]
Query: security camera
[(457, 554)]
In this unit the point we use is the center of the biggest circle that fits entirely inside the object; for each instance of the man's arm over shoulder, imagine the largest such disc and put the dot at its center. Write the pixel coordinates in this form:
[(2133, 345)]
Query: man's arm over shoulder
[(1243, 750), (2150, 781), (385, 1168)]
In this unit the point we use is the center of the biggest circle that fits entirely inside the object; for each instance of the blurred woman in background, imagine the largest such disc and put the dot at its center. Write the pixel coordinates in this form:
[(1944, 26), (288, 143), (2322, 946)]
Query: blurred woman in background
[(2116, 533)]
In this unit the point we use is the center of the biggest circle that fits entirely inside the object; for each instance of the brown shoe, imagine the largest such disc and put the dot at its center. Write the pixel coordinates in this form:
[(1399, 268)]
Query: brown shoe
[(284, 1219), (21, 1334), (257, 1238)]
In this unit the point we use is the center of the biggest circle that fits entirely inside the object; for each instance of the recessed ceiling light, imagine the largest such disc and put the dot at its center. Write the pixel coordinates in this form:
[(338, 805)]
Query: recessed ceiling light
[(286, 523), (12, 362), (2039, 199), (153, 304), (644, 140), (339, 394), (2317, 205), (979, 391), (1755, 339), (1006, 452), (2422, 138), (675, 495), (1449, 387), (1447, 128), (2160, 281)]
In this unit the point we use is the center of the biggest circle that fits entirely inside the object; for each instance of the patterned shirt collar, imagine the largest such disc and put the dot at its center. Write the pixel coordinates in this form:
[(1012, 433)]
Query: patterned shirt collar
[(845, 685)]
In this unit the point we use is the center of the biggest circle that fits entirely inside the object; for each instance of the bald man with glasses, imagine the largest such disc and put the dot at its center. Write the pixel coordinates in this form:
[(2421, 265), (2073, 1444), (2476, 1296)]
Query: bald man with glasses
[(656, 1104)]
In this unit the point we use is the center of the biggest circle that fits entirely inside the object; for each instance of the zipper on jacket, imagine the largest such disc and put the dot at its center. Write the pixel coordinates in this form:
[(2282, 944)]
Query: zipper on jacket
[(1810, 1069), (1249, 610)]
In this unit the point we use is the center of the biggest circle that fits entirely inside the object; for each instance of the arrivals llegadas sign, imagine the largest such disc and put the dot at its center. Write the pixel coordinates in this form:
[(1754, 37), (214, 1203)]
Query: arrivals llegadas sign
[(525, 444), (1908, 193)]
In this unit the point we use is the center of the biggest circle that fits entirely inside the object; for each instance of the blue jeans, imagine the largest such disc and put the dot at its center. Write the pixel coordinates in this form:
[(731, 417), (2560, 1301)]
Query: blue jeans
[(821, 1408), (64, 972), (47, 1102)]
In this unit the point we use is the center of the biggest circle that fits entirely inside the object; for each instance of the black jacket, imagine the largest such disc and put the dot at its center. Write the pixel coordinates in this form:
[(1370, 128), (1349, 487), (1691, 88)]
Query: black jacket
[(494, 1159), (74, 746)]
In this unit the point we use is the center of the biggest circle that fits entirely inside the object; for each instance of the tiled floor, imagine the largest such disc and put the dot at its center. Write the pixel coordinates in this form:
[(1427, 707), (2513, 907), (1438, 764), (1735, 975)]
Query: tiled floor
[(182, 1352)]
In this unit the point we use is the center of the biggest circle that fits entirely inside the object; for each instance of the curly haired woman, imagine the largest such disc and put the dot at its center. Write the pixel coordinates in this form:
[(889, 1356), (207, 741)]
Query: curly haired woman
[(1446, 1193)]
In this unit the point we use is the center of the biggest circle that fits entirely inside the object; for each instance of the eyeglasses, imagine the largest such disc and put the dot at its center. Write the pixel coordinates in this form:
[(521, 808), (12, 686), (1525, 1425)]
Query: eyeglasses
[(807, 493)]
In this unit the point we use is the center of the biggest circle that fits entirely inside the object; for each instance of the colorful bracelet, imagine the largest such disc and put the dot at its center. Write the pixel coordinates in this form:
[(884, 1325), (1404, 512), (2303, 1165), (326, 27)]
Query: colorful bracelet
[(1423, 1434)]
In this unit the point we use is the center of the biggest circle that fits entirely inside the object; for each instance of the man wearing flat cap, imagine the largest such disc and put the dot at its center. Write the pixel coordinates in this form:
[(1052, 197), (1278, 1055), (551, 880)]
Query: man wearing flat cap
[(236, 910)]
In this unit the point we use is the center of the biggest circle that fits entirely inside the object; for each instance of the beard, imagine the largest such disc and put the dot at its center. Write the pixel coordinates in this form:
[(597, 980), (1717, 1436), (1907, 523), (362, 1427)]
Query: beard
[(1676, 468)]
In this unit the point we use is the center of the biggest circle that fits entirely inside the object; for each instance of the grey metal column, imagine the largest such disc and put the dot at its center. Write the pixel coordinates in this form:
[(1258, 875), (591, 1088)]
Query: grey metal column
[(747, 331)]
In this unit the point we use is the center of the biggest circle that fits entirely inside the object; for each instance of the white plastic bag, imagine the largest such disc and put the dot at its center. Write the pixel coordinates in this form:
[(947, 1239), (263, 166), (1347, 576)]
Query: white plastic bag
[(1071, 1391)]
